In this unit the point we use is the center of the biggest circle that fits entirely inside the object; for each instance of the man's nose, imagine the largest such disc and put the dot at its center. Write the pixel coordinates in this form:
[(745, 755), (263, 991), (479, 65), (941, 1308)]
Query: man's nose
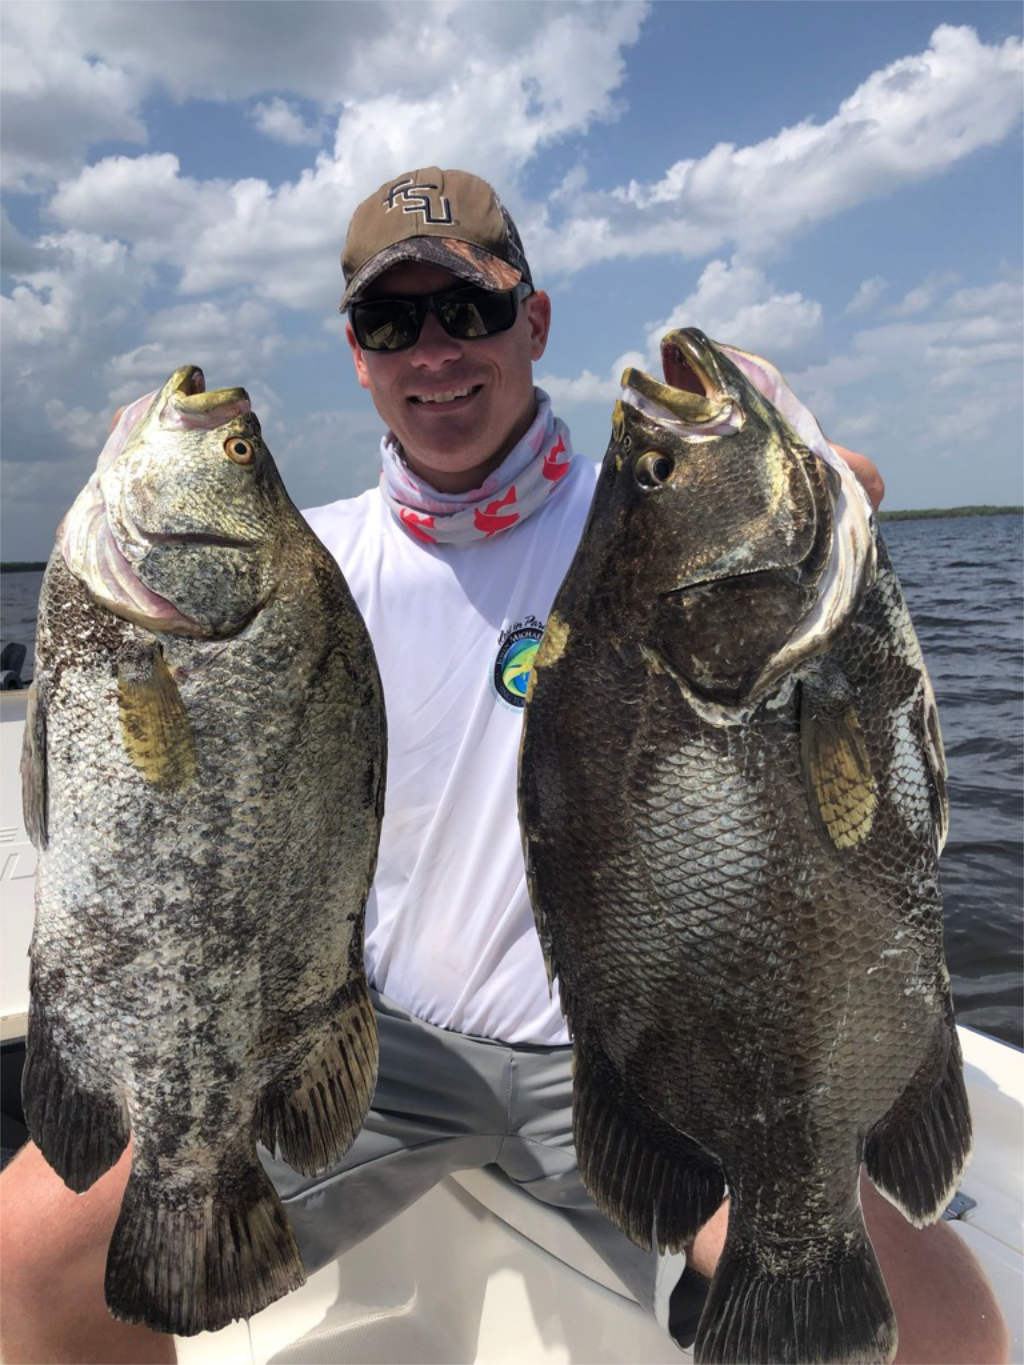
[(435, 347)]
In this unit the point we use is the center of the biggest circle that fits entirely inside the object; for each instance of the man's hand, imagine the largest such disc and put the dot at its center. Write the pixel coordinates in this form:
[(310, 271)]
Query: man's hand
[(867, 473)]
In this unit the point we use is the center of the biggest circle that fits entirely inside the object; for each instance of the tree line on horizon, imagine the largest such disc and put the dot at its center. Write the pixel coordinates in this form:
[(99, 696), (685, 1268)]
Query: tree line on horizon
[(908, 514)]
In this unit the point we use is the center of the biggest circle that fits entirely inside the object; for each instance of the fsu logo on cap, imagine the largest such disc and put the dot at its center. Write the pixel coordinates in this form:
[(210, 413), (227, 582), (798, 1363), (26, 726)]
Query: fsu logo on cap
[(423, 199)]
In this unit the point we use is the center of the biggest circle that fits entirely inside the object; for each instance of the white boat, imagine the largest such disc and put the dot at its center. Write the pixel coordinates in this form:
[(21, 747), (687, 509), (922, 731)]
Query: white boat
[(478, 1271)]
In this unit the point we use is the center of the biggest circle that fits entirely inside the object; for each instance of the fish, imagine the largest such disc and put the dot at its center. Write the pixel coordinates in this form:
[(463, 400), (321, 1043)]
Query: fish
[(732, 797), (203, 778)]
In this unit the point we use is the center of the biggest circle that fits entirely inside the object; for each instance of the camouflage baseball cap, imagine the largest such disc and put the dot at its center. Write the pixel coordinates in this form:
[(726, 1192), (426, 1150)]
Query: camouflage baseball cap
[(449, 218)]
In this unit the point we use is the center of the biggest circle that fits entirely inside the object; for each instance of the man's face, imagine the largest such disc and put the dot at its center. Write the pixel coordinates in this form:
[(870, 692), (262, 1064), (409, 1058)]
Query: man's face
[(457, 407)]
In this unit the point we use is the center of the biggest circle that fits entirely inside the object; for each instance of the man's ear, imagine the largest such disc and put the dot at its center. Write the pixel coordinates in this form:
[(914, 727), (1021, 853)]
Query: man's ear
[(538, 310), (358, 359)]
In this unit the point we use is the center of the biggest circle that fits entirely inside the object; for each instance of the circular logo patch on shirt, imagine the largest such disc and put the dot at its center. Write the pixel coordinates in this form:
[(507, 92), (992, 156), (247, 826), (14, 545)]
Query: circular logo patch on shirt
[(512, 664)]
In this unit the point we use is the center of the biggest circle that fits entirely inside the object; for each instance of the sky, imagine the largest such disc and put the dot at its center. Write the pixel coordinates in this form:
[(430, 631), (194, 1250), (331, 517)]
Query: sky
[(834, 185)]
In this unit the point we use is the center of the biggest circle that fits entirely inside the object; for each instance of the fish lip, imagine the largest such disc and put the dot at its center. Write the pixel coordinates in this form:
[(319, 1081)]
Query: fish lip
[(685, 409), (187, 402)]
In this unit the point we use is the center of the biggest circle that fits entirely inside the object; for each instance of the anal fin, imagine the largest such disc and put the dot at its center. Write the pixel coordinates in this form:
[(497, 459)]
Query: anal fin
[(81, 1132), (917, 1152), (314, 1119), (651, 1180)]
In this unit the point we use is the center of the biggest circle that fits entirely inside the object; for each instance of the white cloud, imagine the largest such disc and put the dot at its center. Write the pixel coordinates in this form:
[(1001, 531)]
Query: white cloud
[(588, 387), (144, 200), (553, 78), (914, 118), (931, 387), (21, 255), (868, 293), (923, 295), (228, 342), (337, 449), (734, 302), (84, 284), (58, 99), (944, 381), (1002, 298), (282, 120), (463, 75), (530, 77), (84, 430)]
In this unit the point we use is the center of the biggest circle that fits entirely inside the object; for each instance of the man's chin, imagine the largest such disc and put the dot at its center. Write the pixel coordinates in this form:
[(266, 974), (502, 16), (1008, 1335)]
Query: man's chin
[(448, 473)]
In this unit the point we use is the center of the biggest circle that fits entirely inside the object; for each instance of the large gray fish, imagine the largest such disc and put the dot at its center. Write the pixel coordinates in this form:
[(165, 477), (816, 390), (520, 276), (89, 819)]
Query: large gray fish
[(203, 778), (732, 793)]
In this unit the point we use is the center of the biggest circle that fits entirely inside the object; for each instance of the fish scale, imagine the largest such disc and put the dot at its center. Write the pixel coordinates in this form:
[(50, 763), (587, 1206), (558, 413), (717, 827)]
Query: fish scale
[(732, 797)]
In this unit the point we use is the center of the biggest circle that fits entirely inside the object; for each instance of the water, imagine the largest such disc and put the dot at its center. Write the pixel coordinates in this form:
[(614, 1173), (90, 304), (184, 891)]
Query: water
[(962, 578)]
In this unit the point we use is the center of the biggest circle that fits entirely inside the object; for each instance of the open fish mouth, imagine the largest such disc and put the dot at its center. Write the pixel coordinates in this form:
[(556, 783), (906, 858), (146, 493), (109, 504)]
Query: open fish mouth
[(189, 405), (694, 400)]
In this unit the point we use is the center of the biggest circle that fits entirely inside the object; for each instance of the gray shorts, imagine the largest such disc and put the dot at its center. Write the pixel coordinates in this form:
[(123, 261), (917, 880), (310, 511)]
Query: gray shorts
[(448, 1102)]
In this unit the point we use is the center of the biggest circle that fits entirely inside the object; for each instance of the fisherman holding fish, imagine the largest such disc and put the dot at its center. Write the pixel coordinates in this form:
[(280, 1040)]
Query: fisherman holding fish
[(454, 560)]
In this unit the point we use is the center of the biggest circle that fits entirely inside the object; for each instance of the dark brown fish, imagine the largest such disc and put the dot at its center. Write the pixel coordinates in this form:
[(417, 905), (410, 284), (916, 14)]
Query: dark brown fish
[(732, 793), (203, 779)]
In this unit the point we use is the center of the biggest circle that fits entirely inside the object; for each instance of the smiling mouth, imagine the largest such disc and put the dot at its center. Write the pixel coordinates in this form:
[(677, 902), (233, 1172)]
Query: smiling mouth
[(444, 396)]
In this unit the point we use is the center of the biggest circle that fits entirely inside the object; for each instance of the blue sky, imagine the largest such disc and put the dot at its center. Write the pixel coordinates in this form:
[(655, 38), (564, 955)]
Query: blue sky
[(835, 185)]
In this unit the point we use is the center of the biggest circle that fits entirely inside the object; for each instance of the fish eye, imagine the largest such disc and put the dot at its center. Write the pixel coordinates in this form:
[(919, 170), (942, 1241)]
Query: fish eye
[(240, 450), (653, 469)]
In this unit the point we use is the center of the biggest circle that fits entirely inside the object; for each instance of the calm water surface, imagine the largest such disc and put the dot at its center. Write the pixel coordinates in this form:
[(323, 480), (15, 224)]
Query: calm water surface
[(962, 579)]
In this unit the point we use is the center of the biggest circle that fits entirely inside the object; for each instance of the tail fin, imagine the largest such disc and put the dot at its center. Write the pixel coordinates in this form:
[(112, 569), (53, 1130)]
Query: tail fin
[(196, 1266), (830, 1306)]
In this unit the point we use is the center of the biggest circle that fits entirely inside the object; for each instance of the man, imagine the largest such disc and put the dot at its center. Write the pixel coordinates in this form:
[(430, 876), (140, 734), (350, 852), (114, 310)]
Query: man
[(454, 561)]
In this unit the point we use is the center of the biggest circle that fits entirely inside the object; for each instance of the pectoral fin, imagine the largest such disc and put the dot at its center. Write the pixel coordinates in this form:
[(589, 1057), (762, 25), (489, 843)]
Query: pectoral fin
[(155, 727), (33, 769), (836, 765)]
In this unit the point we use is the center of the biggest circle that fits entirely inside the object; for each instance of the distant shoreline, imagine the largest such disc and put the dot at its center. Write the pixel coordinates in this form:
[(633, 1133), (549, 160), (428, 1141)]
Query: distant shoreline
[(926, 513), (921, 513)]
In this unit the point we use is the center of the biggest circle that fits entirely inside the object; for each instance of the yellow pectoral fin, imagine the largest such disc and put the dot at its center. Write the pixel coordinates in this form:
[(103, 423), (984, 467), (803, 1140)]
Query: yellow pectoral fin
[(837, 775), (155, 727)]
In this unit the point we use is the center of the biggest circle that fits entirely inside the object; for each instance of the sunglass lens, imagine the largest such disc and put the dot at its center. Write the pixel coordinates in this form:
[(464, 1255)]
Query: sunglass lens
[(465, 312), (386, 325), (470, 313)]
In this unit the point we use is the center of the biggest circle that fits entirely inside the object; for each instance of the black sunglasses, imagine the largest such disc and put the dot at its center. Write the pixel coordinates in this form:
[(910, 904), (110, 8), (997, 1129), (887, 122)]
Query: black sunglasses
[(465, 312)]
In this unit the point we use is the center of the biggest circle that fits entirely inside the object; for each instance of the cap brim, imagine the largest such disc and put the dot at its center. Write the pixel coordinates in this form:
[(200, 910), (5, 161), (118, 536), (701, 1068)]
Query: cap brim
[(465, 259)]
